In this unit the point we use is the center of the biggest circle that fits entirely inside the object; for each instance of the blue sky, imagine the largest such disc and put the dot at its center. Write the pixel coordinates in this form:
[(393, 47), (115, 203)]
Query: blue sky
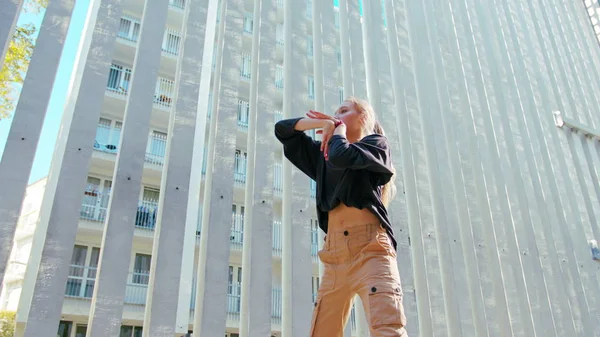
[(41, 164)]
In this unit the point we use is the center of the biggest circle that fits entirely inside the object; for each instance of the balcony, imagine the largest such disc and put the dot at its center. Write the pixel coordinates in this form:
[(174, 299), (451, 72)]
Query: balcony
[(243, 114), (108, 139), (119, 79), (130, 28), (240, 165), (278, 179), (145, 217), (95, 205), (81, 280), (236, 237), (279, 77), (179, 4), (277, 240)]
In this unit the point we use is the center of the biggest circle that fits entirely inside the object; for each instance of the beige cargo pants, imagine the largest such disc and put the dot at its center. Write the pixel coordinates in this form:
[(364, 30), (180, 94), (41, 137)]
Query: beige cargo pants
[(359, 259)]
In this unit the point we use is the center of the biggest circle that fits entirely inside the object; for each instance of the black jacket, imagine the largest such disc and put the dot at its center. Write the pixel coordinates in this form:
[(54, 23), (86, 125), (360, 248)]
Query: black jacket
[(354, 174)]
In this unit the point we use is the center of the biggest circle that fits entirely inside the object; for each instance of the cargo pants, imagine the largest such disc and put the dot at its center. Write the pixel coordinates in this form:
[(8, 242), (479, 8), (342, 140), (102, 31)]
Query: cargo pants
[(359, 259)]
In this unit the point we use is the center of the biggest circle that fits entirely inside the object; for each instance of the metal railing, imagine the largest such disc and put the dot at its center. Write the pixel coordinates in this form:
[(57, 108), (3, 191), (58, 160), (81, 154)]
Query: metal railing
[(157, 148), (94, 206), (236, 237), (243, 114), (129, 28), (279, 77), (137, 287), (279, 34), (246, 69), (248, 22), (278, 116), (180, 4), (107, 138), (145, 216), (163, 94), (171, 41), (239, 175), (313, 189), (278, 179), (277, 247), (80, 282)]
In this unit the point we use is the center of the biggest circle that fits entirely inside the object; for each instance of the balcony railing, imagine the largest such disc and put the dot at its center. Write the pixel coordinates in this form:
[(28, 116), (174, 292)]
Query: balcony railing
[(279, 77), (313, 189), (171, 41), (95, 204), (239, 175), (277, 240), (108, 141), (248, 23), (277, 247), (157, 148), (145, 216), (278, 116), (236, 237), (180, 4), (163, 95), (119, 79), (278, 179), (81, 281), (243, 114)]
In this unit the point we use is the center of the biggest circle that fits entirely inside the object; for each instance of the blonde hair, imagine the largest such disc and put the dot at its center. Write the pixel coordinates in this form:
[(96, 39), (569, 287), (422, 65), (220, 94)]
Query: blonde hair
[(372, 126)]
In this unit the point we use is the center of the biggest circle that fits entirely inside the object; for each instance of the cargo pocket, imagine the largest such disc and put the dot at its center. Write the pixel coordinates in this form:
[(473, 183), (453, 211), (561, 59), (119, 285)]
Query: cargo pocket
[(315, 317), (385, 306)]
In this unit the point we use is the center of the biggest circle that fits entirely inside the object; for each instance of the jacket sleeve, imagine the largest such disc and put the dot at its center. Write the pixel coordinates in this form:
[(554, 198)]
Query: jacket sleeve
[(371, 153), (300, 149)]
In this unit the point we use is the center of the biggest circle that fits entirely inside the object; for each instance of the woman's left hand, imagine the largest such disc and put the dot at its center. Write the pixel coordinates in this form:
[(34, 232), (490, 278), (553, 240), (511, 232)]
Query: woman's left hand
[(319, 115)]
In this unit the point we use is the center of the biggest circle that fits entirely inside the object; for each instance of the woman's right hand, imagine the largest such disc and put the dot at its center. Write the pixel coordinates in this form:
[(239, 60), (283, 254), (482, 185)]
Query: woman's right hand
[(327, 133)]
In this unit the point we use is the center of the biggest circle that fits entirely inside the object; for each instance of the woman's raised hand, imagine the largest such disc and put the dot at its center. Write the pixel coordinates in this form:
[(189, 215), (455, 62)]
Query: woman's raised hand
[(326, 131)]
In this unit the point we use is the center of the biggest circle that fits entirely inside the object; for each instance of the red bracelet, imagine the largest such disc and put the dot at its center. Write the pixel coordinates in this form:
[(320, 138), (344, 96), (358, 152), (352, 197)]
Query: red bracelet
[(337, 123)]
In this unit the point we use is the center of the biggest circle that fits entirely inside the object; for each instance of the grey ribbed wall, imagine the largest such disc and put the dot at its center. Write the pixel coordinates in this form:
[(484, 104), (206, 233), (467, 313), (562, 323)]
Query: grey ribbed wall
[(501, 203)]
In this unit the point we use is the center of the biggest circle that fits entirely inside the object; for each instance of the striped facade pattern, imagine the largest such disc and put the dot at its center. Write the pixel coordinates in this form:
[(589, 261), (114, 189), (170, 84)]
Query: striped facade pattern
[(497, 206)]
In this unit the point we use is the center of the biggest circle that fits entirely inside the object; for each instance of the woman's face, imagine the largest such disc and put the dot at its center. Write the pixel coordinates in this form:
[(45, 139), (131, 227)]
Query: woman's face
[(348, 114)]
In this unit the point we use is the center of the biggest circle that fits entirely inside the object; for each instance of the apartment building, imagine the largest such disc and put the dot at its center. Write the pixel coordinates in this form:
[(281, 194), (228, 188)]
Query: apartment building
[(169, 206)]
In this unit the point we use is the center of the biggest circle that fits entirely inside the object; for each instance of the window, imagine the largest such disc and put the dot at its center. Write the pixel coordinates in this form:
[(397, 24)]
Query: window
[(309, 9), (82, 274), (129, 28), (234, 289), (341, 94), (64, 329), (141, 268), (336, 17), (248, 22), (130, 331), (311, 87), (81, 330), (246, 70), (339, 57)]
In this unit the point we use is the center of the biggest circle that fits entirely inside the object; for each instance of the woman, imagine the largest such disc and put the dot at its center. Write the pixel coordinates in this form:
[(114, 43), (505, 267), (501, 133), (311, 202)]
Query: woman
[(353, 171)]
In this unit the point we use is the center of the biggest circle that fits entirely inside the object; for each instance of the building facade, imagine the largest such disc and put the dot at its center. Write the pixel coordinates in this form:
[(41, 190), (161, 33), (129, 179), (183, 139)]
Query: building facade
[(170, 209)]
